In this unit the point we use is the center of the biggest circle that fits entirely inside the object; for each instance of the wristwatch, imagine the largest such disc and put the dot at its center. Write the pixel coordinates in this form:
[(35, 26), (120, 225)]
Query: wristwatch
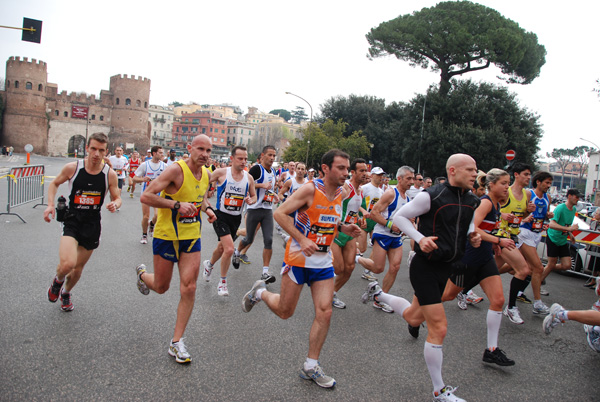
[(176, 206)]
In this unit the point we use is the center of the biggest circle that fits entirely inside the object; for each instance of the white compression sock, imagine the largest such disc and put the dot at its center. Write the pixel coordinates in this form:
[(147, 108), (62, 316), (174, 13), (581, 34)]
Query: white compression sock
[(434, 356), (399, 304), (265, 270), (259, 293), (494, 319)]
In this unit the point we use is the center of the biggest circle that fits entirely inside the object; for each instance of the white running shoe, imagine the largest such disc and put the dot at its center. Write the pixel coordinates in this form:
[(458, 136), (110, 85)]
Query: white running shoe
[(207, 271), (552, 319), (544, 292), (383, 306), (144, 239), (513, 315), (540, 308), (222, 289), (179, 352), (446, 394), (461, 299), (593, 337), (368, 275), (472, 298), (337, 303), (318, 376)]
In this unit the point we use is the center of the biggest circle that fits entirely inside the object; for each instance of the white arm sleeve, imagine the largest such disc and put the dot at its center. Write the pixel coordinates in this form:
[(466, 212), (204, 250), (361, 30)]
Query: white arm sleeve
[(417, 207), (472, 225)]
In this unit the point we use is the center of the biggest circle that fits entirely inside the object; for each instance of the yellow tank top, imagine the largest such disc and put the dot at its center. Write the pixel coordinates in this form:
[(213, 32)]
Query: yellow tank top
[(518, 209), (171, 225)]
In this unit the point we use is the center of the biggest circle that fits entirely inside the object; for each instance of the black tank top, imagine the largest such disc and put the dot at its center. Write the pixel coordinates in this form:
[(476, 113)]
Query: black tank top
[(490, 224), (87, 190)]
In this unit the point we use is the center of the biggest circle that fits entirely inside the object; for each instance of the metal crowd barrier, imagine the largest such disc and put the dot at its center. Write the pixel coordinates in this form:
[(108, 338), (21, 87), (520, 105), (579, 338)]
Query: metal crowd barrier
[(25, 184), (590, 240)]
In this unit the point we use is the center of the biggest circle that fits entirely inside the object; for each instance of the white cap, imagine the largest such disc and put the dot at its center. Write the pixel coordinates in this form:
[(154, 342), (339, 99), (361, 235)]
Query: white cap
[(377, 170)]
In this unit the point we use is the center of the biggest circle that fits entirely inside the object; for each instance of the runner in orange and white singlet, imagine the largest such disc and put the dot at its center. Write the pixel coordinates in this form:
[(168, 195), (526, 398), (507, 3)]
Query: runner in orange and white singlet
[(311, 215)]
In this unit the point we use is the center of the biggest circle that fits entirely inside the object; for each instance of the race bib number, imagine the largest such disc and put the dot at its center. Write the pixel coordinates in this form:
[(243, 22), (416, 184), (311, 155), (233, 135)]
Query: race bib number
[(268, 198), (516, 222), (351, 217), (233, 202), (119, 171), (537, 225), (322, 236), (193, 218), (87, 201), (372, 204)]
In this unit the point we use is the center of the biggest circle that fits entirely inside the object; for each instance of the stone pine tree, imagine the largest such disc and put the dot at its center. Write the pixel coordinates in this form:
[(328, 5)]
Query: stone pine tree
[(455, 38), (563, 157)]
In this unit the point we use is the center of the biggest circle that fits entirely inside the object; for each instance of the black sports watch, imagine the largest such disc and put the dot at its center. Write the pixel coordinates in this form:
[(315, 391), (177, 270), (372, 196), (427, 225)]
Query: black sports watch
[(176, 206)]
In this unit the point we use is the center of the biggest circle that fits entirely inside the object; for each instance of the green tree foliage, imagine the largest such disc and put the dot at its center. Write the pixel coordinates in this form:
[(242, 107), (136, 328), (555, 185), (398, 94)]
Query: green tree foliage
[(286, 114), (563, 157), (454, 38), (176, 104), (482, 120), (371, 117), (324, 137), (298, 115)]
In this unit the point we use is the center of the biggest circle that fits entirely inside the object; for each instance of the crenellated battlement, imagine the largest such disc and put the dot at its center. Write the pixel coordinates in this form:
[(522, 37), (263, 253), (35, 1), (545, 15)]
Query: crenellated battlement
[(76, 97), (17, 60), (125, 77)]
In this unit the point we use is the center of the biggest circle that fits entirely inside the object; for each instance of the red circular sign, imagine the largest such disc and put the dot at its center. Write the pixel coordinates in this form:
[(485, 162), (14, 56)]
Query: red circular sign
[(510, 154)]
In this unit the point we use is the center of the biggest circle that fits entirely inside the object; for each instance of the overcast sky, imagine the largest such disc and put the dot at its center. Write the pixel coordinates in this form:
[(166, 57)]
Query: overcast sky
[(249, 53)]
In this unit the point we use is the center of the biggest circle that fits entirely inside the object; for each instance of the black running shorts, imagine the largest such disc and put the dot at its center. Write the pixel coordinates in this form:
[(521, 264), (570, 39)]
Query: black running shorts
[(471, 275), (226, 224), (83, 228), (554, 250), (429, 279)]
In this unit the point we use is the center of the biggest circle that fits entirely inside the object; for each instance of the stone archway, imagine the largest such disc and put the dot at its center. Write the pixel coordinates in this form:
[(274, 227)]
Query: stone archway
[(76, 143)]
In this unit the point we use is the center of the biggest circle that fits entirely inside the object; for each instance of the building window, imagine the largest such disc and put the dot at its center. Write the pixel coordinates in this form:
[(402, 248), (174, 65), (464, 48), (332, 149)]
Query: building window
[(66, 114), (203, 130), (242, 131), (211, 130), (138, 103), (101, 118), (117, 101), (28, 85), (93, 117), (146, 104), (56, 112), (222, 140), (7, 84), (184, 138), (127, 102), (40, 87), (16, 84)]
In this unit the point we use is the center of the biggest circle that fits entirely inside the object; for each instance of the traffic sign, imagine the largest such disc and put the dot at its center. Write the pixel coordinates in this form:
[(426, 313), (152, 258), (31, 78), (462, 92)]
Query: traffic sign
[(510, 154)]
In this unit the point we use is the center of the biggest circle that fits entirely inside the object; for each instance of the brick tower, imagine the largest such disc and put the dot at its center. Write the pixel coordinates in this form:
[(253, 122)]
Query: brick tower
[(129, 118), (25, 118)]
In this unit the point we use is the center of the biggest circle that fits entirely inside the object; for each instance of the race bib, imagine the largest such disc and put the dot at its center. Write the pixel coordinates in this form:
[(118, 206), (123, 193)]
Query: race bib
[(516, 222), (537, 225), (193, 218), (233, 202), (372, 204), (322, 236), (351, 217), (87, 201), (268, 198)]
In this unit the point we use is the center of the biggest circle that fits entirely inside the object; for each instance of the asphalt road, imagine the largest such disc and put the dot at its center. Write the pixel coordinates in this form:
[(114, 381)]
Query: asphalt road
[(113, 346)]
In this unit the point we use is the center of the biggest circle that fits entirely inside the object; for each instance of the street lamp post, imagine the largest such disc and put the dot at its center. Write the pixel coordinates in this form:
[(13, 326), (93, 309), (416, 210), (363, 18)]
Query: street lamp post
[(421, 139), (597, 170), (310, 125)]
